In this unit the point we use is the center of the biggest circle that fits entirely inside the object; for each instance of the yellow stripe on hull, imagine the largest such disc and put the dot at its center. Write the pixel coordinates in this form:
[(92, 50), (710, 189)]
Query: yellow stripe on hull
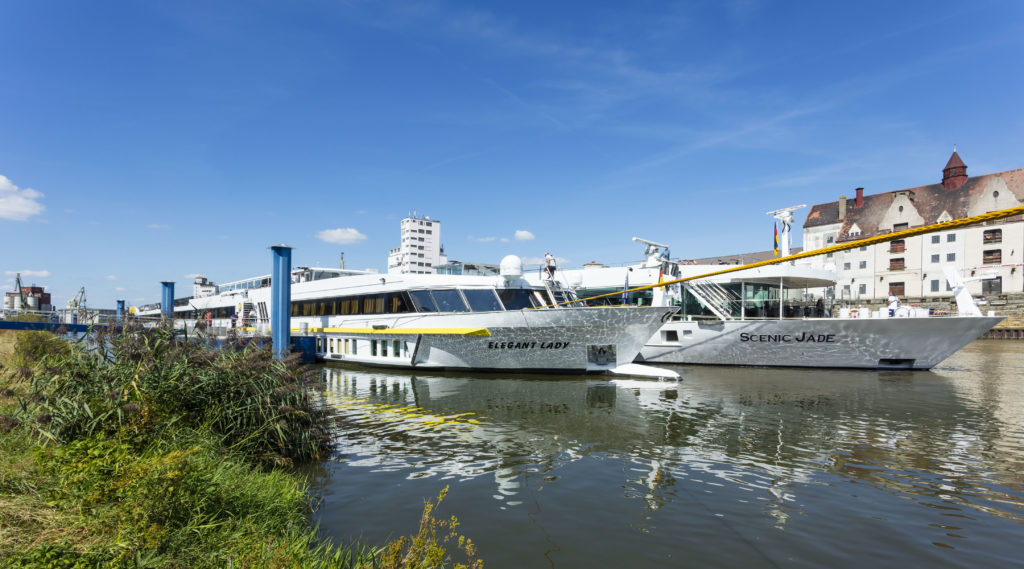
[(410, 331)]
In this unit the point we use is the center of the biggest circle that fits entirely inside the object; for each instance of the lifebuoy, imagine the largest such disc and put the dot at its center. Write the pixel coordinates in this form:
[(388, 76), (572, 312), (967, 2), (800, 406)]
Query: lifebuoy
[(854, 313)]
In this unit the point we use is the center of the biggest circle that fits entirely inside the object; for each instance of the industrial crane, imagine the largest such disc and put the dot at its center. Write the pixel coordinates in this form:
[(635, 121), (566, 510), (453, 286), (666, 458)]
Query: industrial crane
[(79, 299), (21, 292)]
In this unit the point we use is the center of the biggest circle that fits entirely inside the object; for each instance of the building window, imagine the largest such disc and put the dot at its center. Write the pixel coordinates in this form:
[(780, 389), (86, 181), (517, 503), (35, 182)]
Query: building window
[(896, 264), (935, 238), (935, 258), (830, 239), (992, 257), (992, 236), (950, 238), (846, 291), (846, 266), (950, 257), (863, 265), (828, 255), (862, 289), (900, 226), (992, 286), (896, 289), (898, 246), (935, 285), (863, 248)]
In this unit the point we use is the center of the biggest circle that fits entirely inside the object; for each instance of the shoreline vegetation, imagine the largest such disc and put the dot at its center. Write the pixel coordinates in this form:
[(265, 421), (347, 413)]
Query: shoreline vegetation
[(141, 449)]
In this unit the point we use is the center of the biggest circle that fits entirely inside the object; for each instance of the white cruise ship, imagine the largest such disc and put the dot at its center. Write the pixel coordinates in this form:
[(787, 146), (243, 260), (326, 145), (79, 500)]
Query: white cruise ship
[(743, 318), (434, 321)]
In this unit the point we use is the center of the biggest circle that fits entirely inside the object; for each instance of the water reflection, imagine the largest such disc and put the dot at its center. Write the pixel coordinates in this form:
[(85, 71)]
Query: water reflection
[(933, 456)]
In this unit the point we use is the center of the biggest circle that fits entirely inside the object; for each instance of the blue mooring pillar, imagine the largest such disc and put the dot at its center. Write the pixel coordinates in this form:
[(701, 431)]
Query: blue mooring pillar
[(120, 312), (167, 302), (281, 300)]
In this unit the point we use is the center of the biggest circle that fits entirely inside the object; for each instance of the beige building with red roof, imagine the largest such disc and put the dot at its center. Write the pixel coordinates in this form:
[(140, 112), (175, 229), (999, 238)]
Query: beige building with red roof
[(988, 256)]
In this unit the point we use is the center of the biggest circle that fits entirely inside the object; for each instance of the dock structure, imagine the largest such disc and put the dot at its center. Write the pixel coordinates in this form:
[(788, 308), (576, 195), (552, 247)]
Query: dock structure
[(167, 300), (281, 299)]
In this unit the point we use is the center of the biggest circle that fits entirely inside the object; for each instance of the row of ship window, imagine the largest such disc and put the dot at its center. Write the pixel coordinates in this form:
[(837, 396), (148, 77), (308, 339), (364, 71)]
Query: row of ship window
[(350, 347), (440, 300)]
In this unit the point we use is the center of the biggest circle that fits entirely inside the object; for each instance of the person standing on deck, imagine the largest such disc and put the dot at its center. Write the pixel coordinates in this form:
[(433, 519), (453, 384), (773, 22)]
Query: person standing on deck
[(549, 261), (894, 303)]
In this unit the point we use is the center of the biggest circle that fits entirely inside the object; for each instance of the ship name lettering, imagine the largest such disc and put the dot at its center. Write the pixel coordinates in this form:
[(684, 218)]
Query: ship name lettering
[(527, 345), (803, 337)]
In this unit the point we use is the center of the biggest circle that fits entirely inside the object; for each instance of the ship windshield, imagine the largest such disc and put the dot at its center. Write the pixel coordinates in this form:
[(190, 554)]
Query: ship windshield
[(423, 301), (482, 300), (449, 301), (516, 298)]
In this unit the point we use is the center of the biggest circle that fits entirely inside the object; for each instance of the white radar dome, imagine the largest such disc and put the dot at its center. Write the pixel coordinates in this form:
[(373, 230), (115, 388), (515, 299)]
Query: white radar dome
[(511, 267)]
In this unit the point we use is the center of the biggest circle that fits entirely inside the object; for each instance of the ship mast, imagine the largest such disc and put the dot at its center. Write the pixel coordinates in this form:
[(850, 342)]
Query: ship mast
[(785, 215)]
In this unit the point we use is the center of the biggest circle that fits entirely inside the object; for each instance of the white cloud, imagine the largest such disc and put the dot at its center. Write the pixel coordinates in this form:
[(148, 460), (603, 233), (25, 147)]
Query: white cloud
[(341, 236), (481, 239), (505, 240), (120, 289), (17, 204), (29, 273), (523, 235), (158, 226), (111, 277)]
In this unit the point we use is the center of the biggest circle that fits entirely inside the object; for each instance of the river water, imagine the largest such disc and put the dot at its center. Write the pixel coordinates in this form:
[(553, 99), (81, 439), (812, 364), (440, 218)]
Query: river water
[(729, 467)]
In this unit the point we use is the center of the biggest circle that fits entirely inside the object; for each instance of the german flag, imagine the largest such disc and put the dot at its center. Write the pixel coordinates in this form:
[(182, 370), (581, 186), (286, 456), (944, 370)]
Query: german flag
[(776, 240)]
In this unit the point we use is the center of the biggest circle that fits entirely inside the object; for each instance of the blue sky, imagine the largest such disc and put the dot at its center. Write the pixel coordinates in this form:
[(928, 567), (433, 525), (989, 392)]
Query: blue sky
[(149, 141)]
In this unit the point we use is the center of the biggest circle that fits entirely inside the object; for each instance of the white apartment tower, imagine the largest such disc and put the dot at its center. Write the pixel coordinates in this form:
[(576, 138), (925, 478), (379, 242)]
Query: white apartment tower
[(420, 251)]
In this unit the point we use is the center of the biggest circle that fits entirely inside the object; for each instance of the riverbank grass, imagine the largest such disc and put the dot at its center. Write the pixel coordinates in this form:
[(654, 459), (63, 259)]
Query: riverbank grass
[(142, 450), (146, 450)]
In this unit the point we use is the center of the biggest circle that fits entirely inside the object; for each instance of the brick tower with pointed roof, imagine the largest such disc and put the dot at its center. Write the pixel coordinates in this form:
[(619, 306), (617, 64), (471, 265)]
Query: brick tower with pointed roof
[(954, 174)]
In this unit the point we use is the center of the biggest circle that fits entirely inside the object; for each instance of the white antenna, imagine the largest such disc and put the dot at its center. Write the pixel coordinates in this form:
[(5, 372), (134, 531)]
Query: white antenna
[(785, 215), (651, 243), (652, 251)]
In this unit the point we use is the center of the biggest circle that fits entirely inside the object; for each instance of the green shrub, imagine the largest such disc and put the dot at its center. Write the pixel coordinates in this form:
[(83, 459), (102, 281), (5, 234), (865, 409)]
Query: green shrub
[(146, 384)]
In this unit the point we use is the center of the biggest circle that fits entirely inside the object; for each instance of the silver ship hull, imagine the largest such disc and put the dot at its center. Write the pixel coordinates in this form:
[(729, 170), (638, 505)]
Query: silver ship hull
[(884, 343)]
